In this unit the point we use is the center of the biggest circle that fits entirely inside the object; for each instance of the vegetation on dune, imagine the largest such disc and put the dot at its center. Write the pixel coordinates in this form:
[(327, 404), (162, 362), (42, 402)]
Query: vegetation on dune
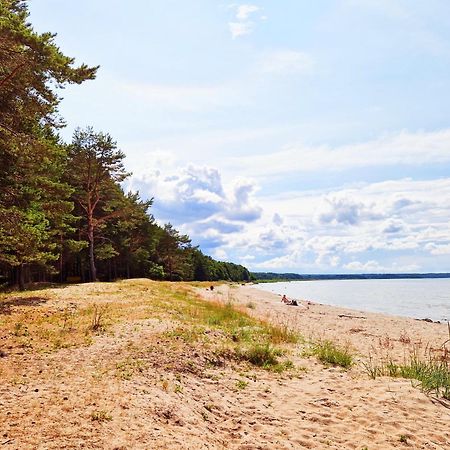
[(431, 370), (63, 213), (330, 353), (199, 332)]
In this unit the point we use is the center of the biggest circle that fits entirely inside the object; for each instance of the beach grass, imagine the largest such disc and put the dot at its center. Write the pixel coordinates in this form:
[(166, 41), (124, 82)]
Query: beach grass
[(331, 353), (430, 371), (48, 320)]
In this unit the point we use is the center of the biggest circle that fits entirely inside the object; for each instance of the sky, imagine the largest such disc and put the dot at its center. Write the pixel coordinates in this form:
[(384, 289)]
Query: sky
[(288, 136)]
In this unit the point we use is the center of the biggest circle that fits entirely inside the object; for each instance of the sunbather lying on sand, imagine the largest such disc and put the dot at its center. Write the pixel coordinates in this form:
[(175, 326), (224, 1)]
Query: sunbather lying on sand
[(289, 302)]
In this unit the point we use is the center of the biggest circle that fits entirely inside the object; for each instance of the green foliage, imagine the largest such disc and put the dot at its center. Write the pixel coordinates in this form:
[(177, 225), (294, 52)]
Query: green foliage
[(262, 355), (330, 353), (228, 316), (282, 334), (33, 199), (432, 373), (241, 384), (62, 207), (206, 268)]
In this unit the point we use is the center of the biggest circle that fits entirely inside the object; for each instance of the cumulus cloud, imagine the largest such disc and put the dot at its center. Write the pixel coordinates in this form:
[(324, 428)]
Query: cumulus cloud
[(393, 226), (277, 219), (345, 210), (436, 249), (219, 225), (390, 226), (195, 199), (241, 205), (343, 229), (194, 193), (243, 25), (375, 267), (285, 262)]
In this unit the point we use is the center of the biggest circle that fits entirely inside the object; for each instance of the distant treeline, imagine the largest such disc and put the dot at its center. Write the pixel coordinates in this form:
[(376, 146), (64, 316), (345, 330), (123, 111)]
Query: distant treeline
[(63, 213), (271, 276)]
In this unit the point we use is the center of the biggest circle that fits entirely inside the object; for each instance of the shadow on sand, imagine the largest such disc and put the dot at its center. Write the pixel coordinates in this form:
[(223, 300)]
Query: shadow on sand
[(7, 304)]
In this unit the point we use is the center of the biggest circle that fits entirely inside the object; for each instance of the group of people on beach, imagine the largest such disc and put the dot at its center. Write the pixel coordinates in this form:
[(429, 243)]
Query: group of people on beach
[(286, 301)]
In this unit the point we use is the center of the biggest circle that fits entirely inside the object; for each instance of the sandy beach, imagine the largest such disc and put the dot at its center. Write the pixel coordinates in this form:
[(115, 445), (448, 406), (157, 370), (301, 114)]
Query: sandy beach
[(135, 388)]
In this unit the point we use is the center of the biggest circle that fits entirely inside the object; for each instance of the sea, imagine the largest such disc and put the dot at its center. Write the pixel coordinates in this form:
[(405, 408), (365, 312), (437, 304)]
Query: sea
[(424, 298)]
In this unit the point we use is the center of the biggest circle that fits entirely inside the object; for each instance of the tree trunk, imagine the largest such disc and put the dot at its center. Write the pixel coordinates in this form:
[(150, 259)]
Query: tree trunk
[(21, 277), (61, 261), (91, 252)]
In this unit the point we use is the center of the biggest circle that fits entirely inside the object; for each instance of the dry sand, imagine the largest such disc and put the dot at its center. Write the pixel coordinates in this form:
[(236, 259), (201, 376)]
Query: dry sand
[(74, 398)]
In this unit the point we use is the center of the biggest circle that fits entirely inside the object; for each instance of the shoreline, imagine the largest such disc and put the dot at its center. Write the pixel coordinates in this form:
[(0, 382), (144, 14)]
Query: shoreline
[(408, 302), (362, 329)]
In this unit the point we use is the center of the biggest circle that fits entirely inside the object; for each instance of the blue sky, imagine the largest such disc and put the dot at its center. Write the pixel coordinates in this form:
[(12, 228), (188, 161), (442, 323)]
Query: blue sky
[(287, 136)]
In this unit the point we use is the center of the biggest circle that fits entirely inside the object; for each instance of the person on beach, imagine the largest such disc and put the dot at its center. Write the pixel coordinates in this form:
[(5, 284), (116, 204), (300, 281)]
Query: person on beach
[(285, 300)]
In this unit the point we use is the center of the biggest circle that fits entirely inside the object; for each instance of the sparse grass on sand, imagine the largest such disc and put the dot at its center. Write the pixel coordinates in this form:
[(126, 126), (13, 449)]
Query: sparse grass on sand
[(430, 369), (47, 320), (330, 353)]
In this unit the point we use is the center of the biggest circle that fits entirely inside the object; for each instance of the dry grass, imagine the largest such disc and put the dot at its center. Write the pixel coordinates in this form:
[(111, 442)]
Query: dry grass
[(49, 320)]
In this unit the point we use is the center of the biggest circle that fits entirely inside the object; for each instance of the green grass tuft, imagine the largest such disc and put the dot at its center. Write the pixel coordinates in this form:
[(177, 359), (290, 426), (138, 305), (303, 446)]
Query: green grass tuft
[(432, 373), (330, 353), (261, 355)]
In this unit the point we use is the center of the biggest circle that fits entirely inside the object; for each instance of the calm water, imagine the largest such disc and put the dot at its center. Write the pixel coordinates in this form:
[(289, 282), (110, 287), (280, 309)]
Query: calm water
[(420, 298)]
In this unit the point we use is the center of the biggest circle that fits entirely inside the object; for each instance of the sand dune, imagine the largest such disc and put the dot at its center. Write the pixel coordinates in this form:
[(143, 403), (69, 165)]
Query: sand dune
[(132, 389)]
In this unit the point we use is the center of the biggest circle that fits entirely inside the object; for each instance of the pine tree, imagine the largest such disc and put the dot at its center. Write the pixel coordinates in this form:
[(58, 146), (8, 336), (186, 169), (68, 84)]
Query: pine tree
[(33, 200), (95, 168)]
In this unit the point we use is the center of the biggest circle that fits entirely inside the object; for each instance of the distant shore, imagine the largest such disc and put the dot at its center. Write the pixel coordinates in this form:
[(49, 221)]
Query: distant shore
[(271, 277)]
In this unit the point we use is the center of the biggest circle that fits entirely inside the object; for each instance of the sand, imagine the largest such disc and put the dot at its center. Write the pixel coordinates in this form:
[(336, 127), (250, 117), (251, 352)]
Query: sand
[(73, 398)]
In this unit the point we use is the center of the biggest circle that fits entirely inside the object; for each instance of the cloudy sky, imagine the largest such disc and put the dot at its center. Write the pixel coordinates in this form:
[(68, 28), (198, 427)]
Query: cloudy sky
[(295, 135)]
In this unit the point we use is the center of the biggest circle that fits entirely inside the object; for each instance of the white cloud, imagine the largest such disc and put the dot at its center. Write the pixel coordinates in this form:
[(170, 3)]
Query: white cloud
[(285, 262), (340, 208), (436, 249), (404, 148), (324, 231), (195, 199), (389, 226), (244, 11), (375, 267), (243, 25), (242, 207)]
